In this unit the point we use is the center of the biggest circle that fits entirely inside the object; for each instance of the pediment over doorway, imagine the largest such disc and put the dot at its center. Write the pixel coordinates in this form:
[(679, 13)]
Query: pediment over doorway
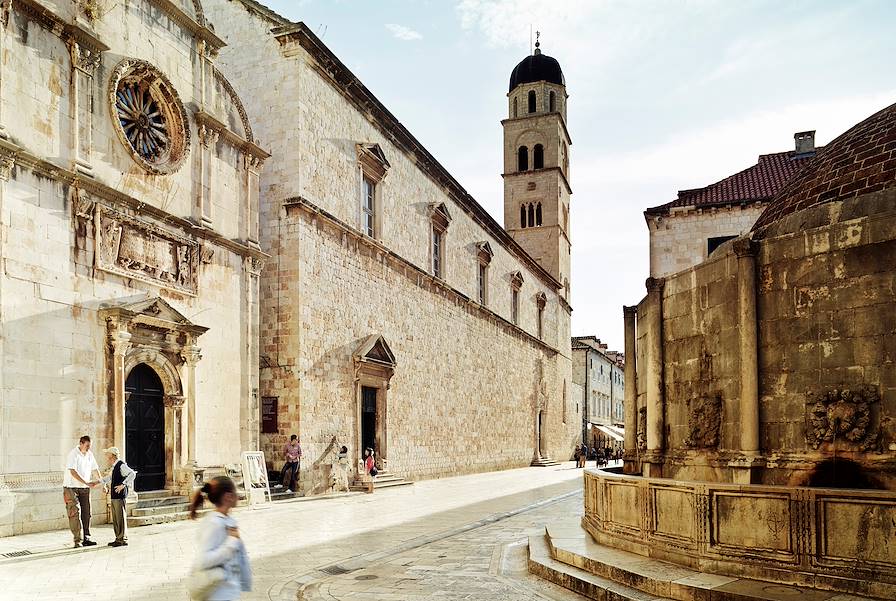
[(154, 312), (375, 349)]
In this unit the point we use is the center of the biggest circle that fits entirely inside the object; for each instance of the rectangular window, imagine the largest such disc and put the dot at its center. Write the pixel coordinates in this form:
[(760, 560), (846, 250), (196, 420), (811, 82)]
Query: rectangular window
[(368, 208), (515, 306), (714, 243), (436, 253), (540, 321), (483, 283)]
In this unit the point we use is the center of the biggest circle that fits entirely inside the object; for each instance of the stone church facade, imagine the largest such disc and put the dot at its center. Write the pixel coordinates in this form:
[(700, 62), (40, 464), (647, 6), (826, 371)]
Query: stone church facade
[(129, 244), (396, 313)]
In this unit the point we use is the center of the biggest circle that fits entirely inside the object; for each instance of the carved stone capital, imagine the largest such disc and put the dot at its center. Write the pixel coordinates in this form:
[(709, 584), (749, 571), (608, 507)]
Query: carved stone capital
[(744, 247), (630, 310), (191, 355), (206, 254), (173, 401), (655, 284), (121, 342), (82, 203), (207, 135), (84, 58), (7, 162), (254, 265)]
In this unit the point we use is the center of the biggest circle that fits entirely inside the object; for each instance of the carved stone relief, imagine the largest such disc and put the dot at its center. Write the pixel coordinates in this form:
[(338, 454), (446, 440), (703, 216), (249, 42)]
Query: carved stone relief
[(844, 416), (139, 250), (704, 421), (642, 429)]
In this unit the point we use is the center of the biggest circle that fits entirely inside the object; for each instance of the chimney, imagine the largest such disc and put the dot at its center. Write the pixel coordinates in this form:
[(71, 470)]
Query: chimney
[(805, 143)]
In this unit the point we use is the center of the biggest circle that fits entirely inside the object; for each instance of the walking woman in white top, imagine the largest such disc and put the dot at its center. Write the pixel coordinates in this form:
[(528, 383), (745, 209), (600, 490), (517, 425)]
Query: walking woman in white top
[(221, 559)]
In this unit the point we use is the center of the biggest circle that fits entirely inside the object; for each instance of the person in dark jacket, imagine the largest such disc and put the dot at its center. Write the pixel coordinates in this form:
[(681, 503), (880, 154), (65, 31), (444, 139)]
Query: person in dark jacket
[(120, 480)]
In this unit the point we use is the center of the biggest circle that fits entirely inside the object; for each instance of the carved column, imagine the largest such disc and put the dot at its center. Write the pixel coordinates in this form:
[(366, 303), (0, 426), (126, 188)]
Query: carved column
[(84, 63), (120, 341), (173, 436), (744, 469), (207, 139), (253, 166), (191, 357), (5, 8), (630, 464), (655, 395)]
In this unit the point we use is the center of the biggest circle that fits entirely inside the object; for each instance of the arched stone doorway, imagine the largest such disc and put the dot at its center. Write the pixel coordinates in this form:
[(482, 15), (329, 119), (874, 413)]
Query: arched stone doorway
[(145, 427), (374, 367)]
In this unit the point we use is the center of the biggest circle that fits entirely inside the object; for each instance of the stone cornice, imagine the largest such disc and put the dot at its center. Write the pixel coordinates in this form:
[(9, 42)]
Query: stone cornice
[(230, 136), (47, 18), (537, 115), (199, 31), (332, 70), (402, 265), (16, 155), (532, 172)]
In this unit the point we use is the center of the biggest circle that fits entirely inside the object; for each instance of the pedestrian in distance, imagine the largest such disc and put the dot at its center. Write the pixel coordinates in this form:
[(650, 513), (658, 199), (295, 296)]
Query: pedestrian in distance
[(120, 480), (292, 454), (369, 468), (77, 480), (578, 455), (221, 569)]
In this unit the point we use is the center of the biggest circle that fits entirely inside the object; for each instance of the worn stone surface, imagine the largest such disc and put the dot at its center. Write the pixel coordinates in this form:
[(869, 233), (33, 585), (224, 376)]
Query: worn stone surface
[(84, 226)]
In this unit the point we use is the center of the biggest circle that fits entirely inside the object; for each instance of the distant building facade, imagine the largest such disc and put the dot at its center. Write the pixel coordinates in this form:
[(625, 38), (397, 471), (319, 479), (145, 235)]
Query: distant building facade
[(601, 374), (396, 313), (687, 230)]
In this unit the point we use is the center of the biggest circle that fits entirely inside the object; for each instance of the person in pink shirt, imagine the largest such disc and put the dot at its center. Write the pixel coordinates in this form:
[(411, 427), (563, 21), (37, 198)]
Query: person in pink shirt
[(292, 453)]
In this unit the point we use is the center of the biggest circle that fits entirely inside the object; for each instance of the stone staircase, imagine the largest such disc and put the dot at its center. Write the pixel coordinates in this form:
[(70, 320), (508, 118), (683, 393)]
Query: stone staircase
[(382, 480), (162, 506), (543, 462), (565, 554)]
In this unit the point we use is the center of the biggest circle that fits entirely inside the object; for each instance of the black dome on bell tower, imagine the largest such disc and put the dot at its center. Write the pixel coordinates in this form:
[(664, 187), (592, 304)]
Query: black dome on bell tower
[(537, 67)]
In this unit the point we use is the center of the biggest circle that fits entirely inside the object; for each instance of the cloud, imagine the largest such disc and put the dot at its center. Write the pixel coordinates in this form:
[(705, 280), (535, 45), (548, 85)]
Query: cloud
[(403, 33)]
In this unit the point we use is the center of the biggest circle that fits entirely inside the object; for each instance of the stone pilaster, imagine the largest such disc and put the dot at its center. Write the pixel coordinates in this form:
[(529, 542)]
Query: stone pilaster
[(5, 8), (191, 356), (84, 61), (745, 468), (655, 396), (631, 392), (173, 442), (203, 210), (120, 341)]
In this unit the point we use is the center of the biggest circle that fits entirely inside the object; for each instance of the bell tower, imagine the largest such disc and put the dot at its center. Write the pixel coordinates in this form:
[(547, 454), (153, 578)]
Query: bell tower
[(536, 164)]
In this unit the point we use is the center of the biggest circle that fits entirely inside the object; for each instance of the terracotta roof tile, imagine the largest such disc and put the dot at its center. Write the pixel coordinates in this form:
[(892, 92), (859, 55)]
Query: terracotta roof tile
[(860, 161), (758, 183)]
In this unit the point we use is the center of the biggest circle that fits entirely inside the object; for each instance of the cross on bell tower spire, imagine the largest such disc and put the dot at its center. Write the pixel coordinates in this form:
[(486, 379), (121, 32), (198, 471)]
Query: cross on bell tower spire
[(537, 43)]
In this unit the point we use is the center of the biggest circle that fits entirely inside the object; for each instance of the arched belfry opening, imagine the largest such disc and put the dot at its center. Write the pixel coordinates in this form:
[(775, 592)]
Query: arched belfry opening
[(522, 158), (532, 103)]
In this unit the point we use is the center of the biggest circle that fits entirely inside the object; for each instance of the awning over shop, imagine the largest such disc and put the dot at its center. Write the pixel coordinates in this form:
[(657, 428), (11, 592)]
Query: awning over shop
[(617, 434)]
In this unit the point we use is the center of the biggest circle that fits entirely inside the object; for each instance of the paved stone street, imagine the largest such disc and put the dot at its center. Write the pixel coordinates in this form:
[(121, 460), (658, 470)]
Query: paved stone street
[(438, 539)]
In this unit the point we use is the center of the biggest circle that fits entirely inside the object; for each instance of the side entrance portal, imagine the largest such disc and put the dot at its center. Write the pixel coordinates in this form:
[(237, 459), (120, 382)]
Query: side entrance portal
[(368, 419), (145, 427)]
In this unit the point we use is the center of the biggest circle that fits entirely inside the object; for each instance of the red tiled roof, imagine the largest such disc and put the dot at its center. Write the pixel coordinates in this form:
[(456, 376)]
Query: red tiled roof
[(860, 161), (758, 183)]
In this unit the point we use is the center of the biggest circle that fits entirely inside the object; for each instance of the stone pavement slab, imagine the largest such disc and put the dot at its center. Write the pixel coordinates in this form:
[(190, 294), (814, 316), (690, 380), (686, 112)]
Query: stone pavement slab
[(288, 543)]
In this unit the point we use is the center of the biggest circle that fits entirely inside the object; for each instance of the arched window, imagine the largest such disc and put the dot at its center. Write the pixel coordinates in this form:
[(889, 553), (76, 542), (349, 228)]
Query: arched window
[(531, 215), (538, 157), (523, 159), (522, 215), (538, 214), (532, 101), (553, 101), (515, 106)]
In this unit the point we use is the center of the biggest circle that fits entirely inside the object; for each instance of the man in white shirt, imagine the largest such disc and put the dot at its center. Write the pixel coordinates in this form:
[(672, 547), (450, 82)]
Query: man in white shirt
[(77, 481)]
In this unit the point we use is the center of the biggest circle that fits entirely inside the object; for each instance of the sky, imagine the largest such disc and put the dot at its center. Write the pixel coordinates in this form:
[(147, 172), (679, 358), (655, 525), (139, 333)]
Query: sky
[(664, 95)]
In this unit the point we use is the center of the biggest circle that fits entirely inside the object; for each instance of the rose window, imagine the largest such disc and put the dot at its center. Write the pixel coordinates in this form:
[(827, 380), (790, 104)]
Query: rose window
[(149, 116), (142, 121)]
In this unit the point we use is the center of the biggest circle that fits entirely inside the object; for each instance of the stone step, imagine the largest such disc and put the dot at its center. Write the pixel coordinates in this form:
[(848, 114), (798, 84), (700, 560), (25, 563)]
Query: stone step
[(382, 480), (160, 501), (543, 462), (154, 494), (173, 512), (579, 581), (570, 546)]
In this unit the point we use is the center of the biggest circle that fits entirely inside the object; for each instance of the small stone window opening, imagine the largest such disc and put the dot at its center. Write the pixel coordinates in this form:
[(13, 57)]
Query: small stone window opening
[(540, 302), (538, 214), (484, 259), (440, 218), (368, 207), (515, 107), (522, 163), (532, 101), (531, 213), (552, 101), (523, 215), (373, 167), (516, 283), (538, 157)]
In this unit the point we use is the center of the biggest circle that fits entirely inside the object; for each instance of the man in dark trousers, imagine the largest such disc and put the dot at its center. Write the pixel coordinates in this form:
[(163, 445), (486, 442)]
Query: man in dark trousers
[(121, 479), (292, 453)]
